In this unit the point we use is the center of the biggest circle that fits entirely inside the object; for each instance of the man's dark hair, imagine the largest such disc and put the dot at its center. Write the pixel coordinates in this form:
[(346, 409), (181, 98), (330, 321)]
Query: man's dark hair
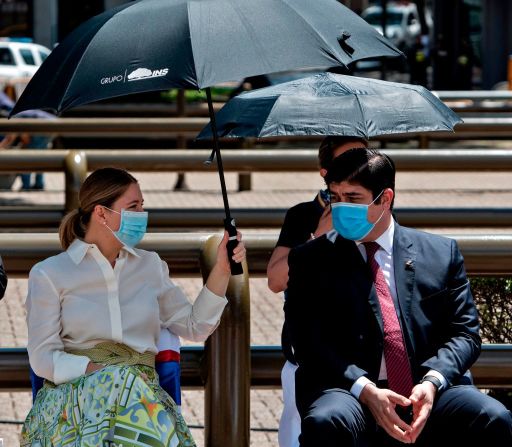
[(369, 168), (330, 144)]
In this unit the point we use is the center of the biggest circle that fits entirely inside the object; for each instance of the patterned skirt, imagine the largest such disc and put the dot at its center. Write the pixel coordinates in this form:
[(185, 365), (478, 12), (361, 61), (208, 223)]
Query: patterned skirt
[(117, 406)]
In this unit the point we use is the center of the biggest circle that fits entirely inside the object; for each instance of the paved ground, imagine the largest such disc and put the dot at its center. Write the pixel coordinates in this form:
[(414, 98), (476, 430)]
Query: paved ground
[(270, 190)]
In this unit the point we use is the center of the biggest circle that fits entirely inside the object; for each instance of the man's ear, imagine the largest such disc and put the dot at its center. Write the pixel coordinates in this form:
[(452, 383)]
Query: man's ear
[(387, 197), (323, 172)]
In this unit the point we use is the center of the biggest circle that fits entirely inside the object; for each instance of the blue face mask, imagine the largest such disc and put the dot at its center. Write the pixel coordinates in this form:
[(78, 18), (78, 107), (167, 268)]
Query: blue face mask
[(350, 220), (132, 227)]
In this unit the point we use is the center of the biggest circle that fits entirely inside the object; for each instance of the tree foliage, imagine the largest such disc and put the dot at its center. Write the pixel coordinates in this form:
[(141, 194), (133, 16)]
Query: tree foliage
[(493, 297)]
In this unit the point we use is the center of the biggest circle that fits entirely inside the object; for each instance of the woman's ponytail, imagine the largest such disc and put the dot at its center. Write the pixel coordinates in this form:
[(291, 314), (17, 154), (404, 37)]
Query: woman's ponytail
[(71, 228)]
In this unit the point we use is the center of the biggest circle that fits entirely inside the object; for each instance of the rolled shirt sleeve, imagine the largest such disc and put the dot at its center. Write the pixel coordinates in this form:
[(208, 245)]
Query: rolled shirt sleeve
[(45, 347), (191, 321)]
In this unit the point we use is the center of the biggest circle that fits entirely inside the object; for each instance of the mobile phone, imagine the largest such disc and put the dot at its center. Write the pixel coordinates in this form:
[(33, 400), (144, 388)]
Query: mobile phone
[(325, 196)]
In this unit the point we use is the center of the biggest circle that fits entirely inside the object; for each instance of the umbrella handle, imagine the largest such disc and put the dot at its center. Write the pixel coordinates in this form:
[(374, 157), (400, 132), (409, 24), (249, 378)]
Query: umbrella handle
[(236, 267)]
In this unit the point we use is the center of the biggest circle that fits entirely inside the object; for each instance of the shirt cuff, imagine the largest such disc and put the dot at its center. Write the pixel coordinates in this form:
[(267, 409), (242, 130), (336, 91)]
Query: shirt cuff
[(208, 307), (437, 374), (67, 367), (358, 386)]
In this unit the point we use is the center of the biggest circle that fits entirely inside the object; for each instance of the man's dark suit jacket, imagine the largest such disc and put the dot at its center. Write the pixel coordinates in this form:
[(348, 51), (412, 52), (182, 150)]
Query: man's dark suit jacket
[(335, 321), (3, 280)]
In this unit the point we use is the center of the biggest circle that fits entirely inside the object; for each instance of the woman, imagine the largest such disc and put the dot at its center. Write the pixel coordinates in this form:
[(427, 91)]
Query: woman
[(94, 314)]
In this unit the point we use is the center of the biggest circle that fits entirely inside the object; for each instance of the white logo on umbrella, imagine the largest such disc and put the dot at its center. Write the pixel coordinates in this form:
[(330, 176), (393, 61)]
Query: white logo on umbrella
[(145, 73)]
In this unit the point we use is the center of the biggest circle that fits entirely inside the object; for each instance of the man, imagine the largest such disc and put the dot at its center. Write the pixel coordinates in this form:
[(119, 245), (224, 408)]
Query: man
[(384, 326), (302, 222)]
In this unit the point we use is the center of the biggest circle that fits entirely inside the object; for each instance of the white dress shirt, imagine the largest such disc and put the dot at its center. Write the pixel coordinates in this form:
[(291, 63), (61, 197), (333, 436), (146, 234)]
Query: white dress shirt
[(384, 257), (77, 300)]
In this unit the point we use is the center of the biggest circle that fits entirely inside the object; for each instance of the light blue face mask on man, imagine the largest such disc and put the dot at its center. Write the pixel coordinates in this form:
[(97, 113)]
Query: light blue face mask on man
[(132, 227), (350, 220)]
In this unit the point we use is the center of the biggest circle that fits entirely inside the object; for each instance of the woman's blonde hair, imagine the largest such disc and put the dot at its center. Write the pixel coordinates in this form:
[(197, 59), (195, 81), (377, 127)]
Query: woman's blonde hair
[(103, 187)]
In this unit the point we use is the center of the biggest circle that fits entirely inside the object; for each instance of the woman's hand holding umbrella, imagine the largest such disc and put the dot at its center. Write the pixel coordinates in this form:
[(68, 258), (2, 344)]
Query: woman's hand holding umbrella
[(219, 277)]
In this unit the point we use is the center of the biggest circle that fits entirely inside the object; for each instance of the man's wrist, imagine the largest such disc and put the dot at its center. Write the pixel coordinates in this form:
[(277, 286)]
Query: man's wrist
[(359, 385), (367, 391), (433, 380)]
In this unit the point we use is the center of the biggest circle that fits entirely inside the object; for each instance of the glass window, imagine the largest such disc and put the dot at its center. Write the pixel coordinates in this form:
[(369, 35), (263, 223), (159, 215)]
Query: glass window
[(6, 57), (375, 18), (27, 56), (43, 55)]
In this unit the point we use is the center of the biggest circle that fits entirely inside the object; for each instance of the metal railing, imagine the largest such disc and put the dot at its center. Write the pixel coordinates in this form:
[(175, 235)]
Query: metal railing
[(483, 254), (472, 101), (493, 369), (473, 95), (49, 217), (76, 164), (472, 128), (243, 160), (483, 101)]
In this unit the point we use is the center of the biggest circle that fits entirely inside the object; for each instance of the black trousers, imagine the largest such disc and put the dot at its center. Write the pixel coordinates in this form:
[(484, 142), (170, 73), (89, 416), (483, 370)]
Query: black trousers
[(461, 416)]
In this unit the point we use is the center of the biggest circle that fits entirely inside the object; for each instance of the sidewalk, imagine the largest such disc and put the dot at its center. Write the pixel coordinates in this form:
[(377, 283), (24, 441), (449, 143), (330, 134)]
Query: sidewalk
[(269, 190)]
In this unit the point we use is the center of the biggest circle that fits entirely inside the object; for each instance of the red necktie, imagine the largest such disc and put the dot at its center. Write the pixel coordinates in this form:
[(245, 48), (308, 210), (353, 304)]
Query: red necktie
[(397, 362)]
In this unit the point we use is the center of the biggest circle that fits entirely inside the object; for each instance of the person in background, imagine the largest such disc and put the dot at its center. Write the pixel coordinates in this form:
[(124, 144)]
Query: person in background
[(302, 222), (94, 315), (35, 181), (26, 141)]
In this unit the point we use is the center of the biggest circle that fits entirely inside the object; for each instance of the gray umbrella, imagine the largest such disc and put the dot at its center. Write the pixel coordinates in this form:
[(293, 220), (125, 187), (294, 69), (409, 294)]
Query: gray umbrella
[(333, 104)]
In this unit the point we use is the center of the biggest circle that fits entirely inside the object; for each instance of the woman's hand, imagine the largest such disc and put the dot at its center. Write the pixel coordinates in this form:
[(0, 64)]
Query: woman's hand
[(222, 252), (218, 280)]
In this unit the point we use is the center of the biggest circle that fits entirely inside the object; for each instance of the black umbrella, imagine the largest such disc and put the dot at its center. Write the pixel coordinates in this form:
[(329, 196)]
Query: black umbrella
[(152, 45), (333, 104)]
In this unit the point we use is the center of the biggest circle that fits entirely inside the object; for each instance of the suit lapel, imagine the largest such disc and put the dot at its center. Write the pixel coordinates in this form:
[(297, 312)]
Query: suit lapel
[(360, 276), (404, 264)]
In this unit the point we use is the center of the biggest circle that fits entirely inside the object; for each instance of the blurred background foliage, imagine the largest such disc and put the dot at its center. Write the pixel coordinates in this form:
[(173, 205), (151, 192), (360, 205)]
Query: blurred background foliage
[(493, 297)]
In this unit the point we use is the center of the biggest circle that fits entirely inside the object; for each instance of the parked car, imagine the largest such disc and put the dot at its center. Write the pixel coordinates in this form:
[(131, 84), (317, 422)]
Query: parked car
[(20, 59), (402, 25)]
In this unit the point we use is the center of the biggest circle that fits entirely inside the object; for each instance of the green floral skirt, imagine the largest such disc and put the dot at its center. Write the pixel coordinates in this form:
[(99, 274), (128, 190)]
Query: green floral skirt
[(117, 406)]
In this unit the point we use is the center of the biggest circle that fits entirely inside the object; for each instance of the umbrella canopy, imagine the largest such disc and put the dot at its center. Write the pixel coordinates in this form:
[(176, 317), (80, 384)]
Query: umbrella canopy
[(333, 104), (150, 45)]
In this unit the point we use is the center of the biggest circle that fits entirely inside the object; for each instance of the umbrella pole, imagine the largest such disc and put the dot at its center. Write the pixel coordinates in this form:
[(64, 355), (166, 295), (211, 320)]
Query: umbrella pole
[(229, 223)]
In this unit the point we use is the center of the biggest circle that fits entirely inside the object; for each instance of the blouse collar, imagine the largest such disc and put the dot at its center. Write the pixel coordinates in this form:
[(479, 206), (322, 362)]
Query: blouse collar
[(78, 249)]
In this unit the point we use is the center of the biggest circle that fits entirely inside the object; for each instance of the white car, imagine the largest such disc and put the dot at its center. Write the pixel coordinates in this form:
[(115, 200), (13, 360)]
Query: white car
[(402, 24), (20, 59)]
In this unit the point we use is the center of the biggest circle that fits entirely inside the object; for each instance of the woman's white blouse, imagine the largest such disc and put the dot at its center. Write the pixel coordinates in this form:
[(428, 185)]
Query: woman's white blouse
[(77, 300)]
